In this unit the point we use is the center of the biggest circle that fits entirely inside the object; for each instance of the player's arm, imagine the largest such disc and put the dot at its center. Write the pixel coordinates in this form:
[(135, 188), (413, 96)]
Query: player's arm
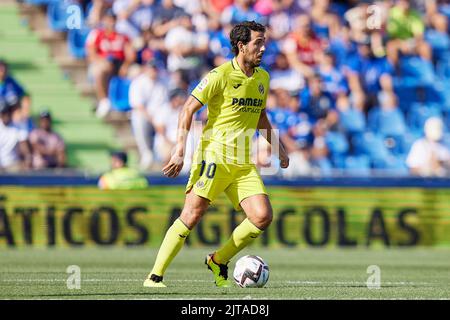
[(173, 168), (265, 129)]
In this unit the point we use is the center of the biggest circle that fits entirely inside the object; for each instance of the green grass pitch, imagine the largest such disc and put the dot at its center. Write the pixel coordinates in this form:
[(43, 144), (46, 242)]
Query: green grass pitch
[(118, 273)]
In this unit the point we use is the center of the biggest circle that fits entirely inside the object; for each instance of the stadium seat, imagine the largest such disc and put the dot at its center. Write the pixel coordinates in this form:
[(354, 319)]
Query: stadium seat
[(39, 2), (416, 72), (393, 164), (420, 113), (118, 94), (370, 144), (443, 67), (357, 165), (386, 123), (406, 95), (76, 40), (337, 143), (352, 120), (440, 44), (407, 141)]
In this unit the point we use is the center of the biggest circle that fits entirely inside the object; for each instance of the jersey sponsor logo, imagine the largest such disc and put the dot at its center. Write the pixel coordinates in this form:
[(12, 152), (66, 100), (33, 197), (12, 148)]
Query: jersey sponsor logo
[(202, 85), (247, 102)]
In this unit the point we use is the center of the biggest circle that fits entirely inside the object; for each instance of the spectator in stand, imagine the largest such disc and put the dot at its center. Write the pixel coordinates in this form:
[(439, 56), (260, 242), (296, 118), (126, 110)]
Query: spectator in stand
[(369, 74), (387, 119), (437, 36), (167, 16), (166, 123), (405, 28), (316, 101), (121, 177), (15, 154), (279, 21), (319, 153), (14, 95), (324, 23), (334, 83), (284, 77), (214, 8), (302, 46), (428, 156), (47, 147), (99, 7), (240, 11), (147, 95), (133, 16), (109, 53), (186, 49)]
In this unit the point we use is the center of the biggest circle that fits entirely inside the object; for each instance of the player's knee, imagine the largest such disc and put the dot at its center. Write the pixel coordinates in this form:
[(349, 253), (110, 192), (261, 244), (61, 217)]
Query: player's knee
[(262, 218), (191, 216)]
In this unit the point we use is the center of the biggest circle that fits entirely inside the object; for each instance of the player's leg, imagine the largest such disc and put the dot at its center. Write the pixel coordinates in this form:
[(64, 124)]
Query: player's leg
[(247, 192), (259, 216), (194, 208)]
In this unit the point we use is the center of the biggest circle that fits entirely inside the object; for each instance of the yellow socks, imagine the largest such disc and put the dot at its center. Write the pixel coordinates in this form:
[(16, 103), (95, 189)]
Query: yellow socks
[(241, 237), (171, 245)]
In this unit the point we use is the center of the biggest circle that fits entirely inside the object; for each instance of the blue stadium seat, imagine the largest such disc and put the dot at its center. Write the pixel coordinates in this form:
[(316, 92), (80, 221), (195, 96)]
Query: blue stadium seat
[(370, 144), (406, 95), (407, 141), (357, 165), (443, 67), (440, 44), (118, 94), (446, 140), (420, 113), (76, 40), (416, 72), (387, 123), (394, 164), (395, 144), (39, 2), (336, 142), (352, 120)]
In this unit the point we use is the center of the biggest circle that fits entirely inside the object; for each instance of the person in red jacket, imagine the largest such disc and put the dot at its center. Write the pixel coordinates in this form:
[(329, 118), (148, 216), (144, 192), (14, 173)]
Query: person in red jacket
[(109, 53)]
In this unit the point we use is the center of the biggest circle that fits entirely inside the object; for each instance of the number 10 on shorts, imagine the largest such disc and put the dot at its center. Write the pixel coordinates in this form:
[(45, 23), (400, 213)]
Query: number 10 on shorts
[(210, 170)]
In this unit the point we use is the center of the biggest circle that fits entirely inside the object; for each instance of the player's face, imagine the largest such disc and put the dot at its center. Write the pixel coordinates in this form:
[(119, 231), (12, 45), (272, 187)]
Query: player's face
[(254, 50)]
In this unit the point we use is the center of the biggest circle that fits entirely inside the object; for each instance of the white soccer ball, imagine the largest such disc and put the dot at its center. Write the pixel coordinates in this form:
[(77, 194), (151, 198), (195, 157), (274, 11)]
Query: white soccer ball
[(251, 272)]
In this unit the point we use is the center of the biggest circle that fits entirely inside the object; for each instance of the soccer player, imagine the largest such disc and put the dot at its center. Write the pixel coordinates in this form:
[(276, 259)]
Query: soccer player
[(236, 95)]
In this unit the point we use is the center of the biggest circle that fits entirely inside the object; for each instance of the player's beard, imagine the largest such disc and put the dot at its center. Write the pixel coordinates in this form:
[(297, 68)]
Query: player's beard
[(257, 62)]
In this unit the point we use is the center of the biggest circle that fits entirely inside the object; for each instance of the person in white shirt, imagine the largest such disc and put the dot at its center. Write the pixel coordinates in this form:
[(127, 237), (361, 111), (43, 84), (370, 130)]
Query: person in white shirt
[(428, 156), (166, 122), (13, 143), (147, 96), (186, 48)]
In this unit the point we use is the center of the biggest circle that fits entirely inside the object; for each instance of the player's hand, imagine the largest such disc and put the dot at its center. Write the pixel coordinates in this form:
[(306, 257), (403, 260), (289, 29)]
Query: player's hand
[(284, 160), (173, 168)]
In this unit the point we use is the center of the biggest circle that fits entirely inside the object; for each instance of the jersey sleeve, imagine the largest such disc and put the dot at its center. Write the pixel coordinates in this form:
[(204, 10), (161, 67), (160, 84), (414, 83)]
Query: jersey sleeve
[(208, 87)]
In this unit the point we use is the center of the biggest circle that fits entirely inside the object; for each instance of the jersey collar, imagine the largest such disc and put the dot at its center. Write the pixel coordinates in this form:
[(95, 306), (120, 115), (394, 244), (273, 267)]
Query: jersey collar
[(236, 66)]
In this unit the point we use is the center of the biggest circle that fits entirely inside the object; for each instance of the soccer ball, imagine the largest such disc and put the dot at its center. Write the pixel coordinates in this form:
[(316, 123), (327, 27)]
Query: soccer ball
[(251, 272)]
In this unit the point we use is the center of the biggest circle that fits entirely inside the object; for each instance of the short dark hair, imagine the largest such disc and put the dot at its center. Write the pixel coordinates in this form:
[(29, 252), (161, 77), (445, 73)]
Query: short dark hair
[(242, 32), (121, 155)]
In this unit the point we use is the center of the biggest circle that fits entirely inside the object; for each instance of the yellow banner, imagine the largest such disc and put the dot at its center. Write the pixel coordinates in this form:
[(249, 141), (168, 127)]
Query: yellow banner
[(85, 216)]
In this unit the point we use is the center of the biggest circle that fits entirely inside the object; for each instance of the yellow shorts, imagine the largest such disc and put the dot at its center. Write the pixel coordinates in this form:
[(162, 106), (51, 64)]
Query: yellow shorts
[(209, 178)]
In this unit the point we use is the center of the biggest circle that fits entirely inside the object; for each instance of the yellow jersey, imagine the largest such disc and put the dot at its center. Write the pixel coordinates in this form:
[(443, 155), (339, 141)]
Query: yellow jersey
[(234, 103)]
